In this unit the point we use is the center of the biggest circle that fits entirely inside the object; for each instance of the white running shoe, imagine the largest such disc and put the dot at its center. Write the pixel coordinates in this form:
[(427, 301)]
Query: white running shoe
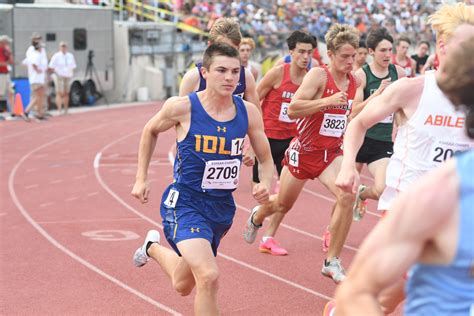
[(360, 206), (250, 229), (334, 270), (140, 258)]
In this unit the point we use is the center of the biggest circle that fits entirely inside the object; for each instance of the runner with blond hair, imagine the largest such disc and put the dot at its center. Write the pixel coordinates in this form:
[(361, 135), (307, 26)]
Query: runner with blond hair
[(439, 252), (429, 129), (246, 47), (321, 106)]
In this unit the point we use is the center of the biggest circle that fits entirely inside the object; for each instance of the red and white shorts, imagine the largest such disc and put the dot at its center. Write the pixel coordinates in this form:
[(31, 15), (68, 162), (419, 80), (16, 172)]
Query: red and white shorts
[(308, 164)]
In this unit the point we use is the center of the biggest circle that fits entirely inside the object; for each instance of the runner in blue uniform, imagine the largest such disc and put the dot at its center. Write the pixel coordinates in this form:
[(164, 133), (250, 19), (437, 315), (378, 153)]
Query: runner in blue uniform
[(198, 208), (224, 30)]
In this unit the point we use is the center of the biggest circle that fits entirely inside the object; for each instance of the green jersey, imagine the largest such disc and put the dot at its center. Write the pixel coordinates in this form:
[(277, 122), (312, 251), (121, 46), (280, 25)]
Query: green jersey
[(381, 131)]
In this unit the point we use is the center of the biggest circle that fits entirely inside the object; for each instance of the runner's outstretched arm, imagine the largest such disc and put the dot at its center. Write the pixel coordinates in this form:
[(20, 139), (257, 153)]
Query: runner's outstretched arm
[(394, 245), (259, 142), (170, 115), (306, 101), (391, 101)]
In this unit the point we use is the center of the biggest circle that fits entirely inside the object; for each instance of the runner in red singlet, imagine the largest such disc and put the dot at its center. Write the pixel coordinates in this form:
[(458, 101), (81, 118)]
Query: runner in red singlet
[(276, 90), (402, 59), (431, 64), (321, 105)]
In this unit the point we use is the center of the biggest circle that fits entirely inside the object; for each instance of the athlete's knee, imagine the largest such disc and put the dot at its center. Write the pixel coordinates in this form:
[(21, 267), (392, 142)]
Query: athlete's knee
[(388, 306), (183, 287), (208, 279), (389, 299), (282, 206), (344, 199), (377, 193)]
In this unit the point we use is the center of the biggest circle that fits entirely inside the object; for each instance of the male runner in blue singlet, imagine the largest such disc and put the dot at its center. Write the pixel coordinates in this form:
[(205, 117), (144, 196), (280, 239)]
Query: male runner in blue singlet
[(198, 208)]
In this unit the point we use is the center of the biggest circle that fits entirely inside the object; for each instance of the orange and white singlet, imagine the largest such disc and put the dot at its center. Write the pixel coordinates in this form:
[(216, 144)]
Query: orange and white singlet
[(434, 133)]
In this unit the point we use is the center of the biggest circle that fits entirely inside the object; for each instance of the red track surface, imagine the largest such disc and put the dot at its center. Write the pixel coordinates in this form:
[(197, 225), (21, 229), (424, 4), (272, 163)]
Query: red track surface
[(69, 227)]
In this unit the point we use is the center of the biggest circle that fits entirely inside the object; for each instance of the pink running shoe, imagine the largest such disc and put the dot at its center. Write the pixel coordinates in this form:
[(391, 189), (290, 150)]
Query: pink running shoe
[(326, 240), (271, 246), (330, 308)]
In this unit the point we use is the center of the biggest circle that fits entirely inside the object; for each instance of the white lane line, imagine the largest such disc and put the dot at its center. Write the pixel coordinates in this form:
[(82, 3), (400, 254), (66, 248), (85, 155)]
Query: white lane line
[(2, 214), (276, 277), (133, 164), (91, 221), (171, 156), (46, 204), (97, 159), (367, 177), (296, 230), (92, 193), (57, 244), (28, 130), (57, 181), (80, 177), (30, 170), (73, 198), (146, 218), (332, 200), (31, 186)]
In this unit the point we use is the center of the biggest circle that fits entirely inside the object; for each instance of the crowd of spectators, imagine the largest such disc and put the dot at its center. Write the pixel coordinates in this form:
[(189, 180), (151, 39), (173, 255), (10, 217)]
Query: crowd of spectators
[(269, 22)]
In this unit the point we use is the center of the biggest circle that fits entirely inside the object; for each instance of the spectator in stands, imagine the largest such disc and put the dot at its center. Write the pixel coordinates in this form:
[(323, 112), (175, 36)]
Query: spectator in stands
[(62, 65)]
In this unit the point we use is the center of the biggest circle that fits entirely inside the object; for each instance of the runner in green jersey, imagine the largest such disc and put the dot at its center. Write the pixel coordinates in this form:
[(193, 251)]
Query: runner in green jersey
[(378, 144)]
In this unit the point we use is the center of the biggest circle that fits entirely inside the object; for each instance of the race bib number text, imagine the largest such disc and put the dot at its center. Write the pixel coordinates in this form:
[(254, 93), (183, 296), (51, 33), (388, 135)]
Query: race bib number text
[(237, 147), (284, 113), (221, 174), (444, 149), (293, 158), (172, 198), (333, 125)]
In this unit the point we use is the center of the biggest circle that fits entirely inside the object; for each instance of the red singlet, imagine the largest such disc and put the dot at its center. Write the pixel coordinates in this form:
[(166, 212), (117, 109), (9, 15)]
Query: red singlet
[(324, 129), (275, 109)]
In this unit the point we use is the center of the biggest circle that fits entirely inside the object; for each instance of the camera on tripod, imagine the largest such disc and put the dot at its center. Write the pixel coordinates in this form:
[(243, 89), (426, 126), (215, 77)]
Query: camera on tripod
[(87, 93)]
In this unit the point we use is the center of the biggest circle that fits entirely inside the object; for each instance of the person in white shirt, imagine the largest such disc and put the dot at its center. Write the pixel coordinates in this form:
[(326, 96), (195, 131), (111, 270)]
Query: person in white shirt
[(62, 64), (37, 63)]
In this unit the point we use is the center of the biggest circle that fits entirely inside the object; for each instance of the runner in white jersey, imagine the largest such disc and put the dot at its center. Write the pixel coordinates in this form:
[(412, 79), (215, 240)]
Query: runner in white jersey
[(434, 133), (440, 251), (430, 130)]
